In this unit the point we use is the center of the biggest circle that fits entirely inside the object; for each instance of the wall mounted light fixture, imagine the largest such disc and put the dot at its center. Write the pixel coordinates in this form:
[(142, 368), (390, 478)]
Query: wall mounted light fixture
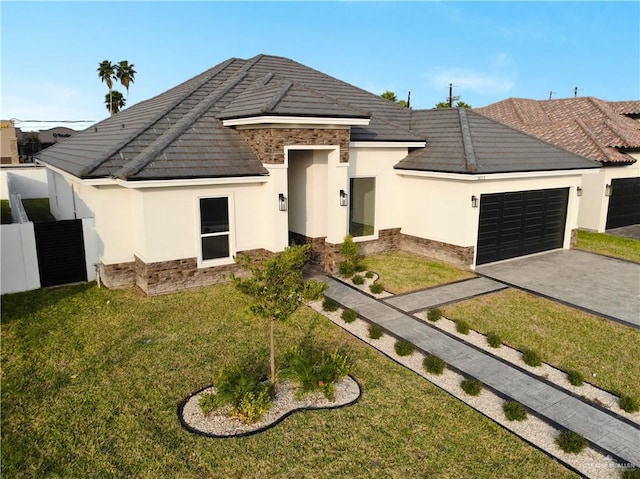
[(343, 198), (474, 201), (282, 202), (607, 190), (579, 191)]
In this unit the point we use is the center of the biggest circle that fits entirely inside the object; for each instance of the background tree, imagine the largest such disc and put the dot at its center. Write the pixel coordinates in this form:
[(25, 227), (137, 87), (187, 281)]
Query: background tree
[(107, 73), (445, 104), (389, 95), (114, 101), (278, 288), (125, 73)]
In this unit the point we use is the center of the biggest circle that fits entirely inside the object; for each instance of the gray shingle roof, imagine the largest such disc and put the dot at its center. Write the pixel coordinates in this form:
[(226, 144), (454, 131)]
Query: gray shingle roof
[(462, 141), (180, 133)]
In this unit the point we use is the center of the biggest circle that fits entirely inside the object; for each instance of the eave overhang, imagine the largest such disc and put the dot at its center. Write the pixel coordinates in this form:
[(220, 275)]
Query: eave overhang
[(295, 120)]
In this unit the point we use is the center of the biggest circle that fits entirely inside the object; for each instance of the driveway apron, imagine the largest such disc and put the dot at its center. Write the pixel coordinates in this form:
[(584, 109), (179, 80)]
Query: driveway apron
[(606, 430), (605, 286)]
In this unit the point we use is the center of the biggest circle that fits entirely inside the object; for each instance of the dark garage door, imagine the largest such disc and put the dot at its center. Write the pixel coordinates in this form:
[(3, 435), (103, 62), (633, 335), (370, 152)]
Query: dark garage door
[(624, 203), (521, 223), (60, 250)]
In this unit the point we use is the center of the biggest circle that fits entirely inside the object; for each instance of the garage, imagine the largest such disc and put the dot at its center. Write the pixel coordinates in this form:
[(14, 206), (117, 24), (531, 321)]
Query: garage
[(624, 203), (520, 223)]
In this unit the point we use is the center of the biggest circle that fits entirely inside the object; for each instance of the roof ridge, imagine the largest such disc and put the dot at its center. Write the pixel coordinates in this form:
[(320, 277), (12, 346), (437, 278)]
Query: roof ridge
[(518, 111), (335, 100), (277, 97), (471, 165), (178, 128), (591, 136), (605, 109), (118, 147)]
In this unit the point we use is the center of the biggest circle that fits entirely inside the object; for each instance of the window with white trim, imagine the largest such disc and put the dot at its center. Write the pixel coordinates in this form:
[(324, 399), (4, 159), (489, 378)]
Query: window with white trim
[(214, 228), (362, 207)]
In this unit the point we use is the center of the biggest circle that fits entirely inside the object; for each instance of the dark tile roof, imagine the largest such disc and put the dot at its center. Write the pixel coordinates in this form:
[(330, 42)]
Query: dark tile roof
[(462, 141), (179, 133), (587, 126)]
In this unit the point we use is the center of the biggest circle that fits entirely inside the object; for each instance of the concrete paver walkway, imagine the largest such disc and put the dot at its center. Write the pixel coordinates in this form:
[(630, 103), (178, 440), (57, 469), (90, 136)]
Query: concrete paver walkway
[(447, 293), (612, 433), (606, 286)]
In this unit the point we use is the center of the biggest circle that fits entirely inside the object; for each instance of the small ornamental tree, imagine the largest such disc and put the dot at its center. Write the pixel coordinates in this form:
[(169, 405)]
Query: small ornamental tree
[(350, 251), (278, 288)]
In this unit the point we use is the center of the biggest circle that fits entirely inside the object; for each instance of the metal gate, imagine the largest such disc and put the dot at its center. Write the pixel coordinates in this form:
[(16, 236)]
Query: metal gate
[(60, 250)]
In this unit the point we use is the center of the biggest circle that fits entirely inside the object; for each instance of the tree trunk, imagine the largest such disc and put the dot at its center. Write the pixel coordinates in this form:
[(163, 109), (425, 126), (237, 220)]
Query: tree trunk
[(272, 352)]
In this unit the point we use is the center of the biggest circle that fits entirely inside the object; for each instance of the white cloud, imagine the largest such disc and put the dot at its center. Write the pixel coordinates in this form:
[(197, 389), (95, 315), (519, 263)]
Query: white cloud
[(51, 103), (498, 77)]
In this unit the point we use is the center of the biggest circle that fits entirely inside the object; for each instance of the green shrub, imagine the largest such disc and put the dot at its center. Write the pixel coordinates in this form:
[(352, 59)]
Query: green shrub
[(349, 315), (632, 473), (376, 288), (434, 364), (368, 274), (531, 357), (359, 267), (254, 405), (330, 305), (357, 279), (471, 386), (514, 411), (628, 404), (352, 262), (241, 389), (346, 269), (570, 441), (315, 370), (207, 403), (375, 331), (494, 340), (434, 315), (575, 378), (404, 347), (462, 326)]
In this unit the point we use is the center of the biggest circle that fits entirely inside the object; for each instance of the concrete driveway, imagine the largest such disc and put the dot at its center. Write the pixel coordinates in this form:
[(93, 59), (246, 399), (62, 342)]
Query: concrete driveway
[(605, 286)]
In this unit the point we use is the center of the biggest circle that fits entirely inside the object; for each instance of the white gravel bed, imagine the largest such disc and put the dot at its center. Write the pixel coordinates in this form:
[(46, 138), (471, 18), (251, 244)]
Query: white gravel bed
[(365, 287), (221, 423), (589, 462), (554, 375)]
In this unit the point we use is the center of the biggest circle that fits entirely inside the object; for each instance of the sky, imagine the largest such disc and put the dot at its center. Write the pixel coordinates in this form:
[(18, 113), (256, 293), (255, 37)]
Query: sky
[(489, 51)]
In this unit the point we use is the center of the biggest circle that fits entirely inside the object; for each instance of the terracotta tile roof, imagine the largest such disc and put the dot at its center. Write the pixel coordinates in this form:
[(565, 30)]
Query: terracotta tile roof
[(590, 127)]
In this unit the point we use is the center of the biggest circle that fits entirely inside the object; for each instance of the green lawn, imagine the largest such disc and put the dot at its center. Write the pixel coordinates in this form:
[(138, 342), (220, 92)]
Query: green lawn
[(610, 245), (37, 209), (91, 379), (5, 209), (404, 272), (565, 337)]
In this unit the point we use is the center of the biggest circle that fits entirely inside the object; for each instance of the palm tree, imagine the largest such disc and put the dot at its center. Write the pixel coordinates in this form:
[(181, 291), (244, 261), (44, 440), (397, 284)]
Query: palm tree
[(114, 101), (107, 73), (125, 73)]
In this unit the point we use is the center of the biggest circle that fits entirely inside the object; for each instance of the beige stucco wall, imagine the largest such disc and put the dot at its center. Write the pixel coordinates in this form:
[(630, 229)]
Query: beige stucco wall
[(167, 220), (378, 163), (594, 204), (440, 208)]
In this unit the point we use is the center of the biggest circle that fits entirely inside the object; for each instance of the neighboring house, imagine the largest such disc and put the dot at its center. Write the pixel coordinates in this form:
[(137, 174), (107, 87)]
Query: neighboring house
[(604, 131), (253, 154), (31, 142), (8, 143)]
